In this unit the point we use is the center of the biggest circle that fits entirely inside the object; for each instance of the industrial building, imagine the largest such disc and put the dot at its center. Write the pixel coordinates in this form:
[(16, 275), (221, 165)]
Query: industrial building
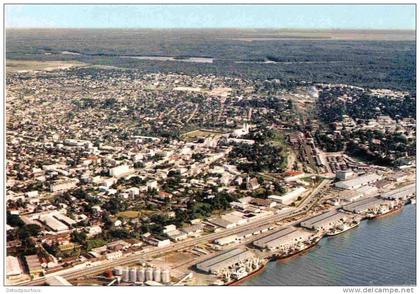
[(53, 223), (226, 240), (283, 239), (225, 260), (61, 186), (348, 196), (242, 235), (358, 182), (325, 221), (402, 193), (13, 268), (250, 232), (222, 223), (343, 175), (289, 197), (119, 171), (34, 266), (364, 205), (368, 190)]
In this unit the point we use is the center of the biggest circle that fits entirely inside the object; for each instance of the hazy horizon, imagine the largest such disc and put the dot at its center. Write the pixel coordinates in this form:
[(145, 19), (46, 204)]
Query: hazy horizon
[(214, 16)]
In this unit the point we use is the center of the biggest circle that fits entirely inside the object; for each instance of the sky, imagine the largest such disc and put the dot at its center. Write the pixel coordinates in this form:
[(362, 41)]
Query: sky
[(212, 16)]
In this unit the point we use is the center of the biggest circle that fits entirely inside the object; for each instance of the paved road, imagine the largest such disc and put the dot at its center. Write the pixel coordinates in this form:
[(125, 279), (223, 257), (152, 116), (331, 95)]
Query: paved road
[(130, 259)]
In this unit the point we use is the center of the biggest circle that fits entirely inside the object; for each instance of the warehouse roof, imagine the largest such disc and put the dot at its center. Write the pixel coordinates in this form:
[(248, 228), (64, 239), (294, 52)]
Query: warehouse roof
[(224, 260), (275, 235), (318, 220), (12, 266), (364, 204), (400, 192), (362, 180)]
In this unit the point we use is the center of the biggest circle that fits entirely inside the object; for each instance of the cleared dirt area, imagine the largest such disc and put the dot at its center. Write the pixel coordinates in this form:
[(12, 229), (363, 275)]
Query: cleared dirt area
[(194, 135), (31, 65), (129, 214)]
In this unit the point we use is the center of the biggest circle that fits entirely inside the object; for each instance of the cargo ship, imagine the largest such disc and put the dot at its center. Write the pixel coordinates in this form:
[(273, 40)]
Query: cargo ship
[(343, 228), (298, 250), (240, 275), (383, 213)]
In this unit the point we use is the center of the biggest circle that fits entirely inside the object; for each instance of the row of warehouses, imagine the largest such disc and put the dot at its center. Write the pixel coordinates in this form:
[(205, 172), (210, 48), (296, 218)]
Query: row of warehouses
[(283, 239), (243, 235), (225, 260), (402, 193), (326, 221), (366, 204), (385, 199), (358, 182)]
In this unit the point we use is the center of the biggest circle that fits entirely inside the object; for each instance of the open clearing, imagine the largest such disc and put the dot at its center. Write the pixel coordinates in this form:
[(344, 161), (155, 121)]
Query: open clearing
[(129, 214), (31, 65), (193, 135)]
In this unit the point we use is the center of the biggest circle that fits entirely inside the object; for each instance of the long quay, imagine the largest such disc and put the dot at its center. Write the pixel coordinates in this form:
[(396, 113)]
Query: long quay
[(325, 221), (402, 193), (365, 205), (282, 238)]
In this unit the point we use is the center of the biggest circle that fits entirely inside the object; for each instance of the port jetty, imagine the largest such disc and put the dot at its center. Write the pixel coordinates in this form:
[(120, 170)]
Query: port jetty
[(233, 267)]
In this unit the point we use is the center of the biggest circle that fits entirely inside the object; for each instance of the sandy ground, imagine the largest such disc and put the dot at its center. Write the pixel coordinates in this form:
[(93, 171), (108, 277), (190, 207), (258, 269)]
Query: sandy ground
[(31, 65)]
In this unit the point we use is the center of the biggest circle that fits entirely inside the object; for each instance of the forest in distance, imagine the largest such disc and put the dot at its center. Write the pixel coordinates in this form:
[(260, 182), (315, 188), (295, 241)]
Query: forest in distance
[(255, 54)]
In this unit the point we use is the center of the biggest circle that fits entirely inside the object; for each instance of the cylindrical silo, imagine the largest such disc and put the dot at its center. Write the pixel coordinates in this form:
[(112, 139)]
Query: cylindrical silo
[(166, 276), (125, 275), (118, 271), (149, 274), (140, 275), (156, 275), (133, 275)]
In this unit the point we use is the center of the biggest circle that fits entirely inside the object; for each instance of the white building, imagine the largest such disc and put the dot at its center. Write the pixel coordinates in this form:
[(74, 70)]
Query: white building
[(13, 269), (242, 131), (61, 186), (358, 182), (343, 175), (113, 255), (325, 221), (226, 240), (169, 228), (289, 197), (119, 171)]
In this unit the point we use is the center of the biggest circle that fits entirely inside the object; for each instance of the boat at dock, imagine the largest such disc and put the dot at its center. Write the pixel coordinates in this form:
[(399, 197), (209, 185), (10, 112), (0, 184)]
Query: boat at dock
[(241, 274), (343, 228), (383, 213), (298, 250)]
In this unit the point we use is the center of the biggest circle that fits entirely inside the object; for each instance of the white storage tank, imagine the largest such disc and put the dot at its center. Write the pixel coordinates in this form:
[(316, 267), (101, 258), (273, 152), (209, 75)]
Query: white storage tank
[(118, 271), (133, 275), (156, 275), (125, 275), (149, 274), (166, 276), (140, 275)]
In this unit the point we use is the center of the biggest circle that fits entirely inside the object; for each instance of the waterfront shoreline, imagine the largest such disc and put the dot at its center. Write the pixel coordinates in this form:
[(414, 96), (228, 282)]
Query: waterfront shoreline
[(301, 253)]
